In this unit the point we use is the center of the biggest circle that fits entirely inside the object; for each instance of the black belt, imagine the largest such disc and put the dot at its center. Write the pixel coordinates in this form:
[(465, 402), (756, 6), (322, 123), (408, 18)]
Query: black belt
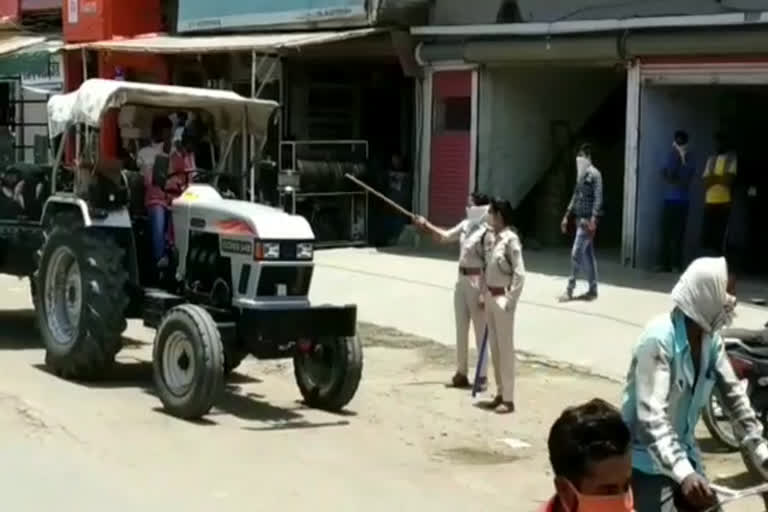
[(468, 271)]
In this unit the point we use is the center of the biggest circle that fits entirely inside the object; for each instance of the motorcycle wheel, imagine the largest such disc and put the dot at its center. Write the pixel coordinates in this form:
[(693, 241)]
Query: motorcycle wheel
[(718, 423)]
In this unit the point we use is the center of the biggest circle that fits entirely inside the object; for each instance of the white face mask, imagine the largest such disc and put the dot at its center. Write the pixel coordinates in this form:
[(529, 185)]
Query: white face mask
[(582, 164), (477, 214)]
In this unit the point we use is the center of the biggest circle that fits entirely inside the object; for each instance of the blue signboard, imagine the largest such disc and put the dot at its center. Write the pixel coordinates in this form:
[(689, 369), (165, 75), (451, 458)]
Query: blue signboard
[(202, 15)]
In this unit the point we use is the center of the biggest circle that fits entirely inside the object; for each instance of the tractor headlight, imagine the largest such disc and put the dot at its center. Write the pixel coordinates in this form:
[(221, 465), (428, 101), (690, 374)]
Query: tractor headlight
[(304, 251), (267, 251)]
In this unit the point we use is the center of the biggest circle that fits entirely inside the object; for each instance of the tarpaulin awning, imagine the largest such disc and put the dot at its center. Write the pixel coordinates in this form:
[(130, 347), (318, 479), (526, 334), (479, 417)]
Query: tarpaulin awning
[(265, 43)]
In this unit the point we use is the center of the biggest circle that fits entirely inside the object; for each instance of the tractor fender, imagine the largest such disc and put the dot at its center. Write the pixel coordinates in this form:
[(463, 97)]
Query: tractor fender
[(118, 218), (113, 219)]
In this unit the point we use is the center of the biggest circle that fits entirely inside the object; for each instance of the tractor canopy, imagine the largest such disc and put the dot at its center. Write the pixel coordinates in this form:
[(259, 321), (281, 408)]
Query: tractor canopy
[(96, 96)]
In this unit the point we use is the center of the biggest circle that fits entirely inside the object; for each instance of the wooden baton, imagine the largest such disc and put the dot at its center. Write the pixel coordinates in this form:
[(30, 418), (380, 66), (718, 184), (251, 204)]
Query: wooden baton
[(381, 196)]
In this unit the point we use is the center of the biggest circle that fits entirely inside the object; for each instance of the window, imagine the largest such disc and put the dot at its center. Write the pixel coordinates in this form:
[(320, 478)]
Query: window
[(453, 114)]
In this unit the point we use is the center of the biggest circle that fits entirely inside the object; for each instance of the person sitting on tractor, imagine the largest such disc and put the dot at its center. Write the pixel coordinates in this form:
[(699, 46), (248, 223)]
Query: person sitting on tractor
[(155, 198), (182, 164)]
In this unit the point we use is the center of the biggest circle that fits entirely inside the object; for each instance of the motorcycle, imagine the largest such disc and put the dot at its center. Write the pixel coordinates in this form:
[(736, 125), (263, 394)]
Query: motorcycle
[(748, 352)]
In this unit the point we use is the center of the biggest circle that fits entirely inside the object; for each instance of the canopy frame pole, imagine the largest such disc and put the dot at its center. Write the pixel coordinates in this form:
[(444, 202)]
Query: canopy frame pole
[(252, 138), (57, 160), (255, 68), (270, 72), (281, 113), (84, 61)]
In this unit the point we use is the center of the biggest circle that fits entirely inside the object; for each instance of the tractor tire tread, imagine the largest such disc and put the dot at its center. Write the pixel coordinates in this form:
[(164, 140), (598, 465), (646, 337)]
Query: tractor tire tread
[(207, 389), (342, 392), (105, 301)]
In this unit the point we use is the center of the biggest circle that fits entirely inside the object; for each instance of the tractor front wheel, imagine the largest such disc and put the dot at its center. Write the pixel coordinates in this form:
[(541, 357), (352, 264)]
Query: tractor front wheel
[(328, 371), (188, 362)]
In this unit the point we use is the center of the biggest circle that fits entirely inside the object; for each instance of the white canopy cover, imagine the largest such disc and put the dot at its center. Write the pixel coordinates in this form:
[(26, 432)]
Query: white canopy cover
[(96, 96)]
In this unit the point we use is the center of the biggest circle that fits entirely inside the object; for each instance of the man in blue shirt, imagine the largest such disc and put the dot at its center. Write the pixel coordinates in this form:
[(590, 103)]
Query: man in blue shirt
[(679, 359), (677, 173)]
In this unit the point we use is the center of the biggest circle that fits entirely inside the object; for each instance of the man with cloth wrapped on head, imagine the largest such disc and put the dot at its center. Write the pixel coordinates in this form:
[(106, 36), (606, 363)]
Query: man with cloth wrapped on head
[(678, 360), (467, 296)]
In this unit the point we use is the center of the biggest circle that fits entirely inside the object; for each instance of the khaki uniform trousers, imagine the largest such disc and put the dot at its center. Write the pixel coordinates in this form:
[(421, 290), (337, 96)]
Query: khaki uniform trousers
[(466, 304), (500, 312)]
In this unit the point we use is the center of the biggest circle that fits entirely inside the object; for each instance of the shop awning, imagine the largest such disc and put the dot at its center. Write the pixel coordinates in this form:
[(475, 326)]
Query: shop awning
[(27, 55), (264, 43), (14, 42)]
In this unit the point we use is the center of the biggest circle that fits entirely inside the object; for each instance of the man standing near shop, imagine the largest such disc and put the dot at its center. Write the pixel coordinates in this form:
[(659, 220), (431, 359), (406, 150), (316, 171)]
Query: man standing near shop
[(718, 177), (677, 173), (585, 209), (467, 296)]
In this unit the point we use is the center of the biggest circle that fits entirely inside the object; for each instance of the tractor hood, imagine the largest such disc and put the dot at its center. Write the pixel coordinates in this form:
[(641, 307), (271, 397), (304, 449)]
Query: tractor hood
[(204, 208)]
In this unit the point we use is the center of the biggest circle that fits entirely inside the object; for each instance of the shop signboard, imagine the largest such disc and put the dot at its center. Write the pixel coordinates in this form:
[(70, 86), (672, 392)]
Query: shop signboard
[(204, 15)]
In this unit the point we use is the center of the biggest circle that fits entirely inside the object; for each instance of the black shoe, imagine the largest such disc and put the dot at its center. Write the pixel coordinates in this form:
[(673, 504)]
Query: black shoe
[(566, 297), (460, 381), (588, 297)]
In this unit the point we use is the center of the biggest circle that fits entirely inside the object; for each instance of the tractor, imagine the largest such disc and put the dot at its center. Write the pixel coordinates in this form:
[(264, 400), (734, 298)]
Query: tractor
[(237, 281)]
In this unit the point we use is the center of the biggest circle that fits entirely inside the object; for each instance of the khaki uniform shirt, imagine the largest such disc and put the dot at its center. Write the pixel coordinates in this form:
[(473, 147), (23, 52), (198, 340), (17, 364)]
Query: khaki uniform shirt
[(468, 237), (505, 267)]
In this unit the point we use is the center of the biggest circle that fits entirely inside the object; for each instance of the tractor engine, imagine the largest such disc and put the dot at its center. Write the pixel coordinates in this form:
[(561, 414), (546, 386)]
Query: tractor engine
[(240, 254), (208, 275)]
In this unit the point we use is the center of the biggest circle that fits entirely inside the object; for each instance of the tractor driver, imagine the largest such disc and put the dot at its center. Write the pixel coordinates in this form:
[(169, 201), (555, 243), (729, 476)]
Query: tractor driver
[(155, 198)]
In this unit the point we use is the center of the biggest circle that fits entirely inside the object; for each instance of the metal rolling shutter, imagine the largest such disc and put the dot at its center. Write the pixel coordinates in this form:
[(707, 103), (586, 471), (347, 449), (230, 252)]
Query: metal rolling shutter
[(704, 73), (451, 146)]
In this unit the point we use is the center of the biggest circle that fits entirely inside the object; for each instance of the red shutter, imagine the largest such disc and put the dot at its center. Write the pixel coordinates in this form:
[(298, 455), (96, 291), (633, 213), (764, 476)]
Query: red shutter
[(450, 151)]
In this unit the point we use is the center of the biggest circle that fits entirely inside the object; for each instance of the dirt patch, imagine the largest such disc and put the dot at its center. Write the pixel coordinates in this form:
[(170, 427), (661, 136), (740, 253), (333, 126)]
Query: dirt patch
[(471, 455)]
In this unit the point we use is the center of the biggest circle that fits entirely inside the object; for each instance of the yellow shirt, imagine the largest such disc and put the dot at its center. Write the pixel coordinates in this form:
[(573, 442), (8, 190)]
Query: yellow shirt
[(718, 166)]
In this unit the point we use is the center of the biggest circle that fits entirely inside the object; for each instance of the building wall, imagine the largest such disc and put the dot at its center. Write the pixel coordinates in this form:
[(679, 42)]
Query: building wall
[(9, 9), (560, 10), (454, 12), (517, 108)]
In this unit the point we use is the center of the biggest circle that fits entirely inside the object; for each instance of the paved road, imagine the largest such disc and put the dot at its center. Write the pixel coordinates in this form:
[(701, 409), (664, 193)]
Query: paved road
[(414, 293), (406, 443)]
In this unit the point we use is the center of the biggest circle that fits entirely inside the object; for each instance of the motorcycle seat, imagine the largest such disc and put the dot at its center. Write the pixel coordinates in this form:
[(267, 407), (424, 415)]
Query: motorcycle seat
[(751, 337), (757, 351)]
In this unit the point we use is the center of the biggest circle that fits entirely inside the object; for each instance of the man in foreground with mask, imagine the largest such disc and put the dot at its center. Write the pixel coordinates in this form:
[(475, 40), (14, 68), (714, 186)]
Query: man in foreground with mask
[(467, 296), (585, 208), (589, 449), (678, 360)]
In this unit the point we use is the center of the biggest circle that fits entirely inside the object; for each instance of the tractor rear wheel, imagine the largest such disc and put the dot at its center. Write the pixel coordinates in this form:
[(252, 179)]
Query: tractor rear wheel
[(81, 301), (328, 371), (188, 362)]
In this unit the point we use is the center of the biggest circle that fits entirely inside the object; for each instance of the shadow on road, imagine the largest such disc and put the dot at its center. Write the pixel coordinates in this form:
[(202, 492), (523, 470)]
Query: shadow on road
[(709, 445), (19, 330), (739, 481), (235, 401)]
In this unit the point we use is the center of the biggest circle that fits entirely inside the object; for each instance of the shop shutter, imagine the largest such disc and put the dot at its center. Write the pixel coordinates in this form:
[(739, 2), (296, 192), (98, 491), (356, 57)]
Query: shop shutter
[(695, 72), (451, 146)]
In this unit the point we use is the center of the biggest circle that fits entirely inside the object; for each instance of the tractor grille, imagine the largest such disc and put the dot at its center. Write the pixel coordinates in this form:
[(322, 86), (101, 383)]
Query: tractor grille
[(288, 250), (295, 279)]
